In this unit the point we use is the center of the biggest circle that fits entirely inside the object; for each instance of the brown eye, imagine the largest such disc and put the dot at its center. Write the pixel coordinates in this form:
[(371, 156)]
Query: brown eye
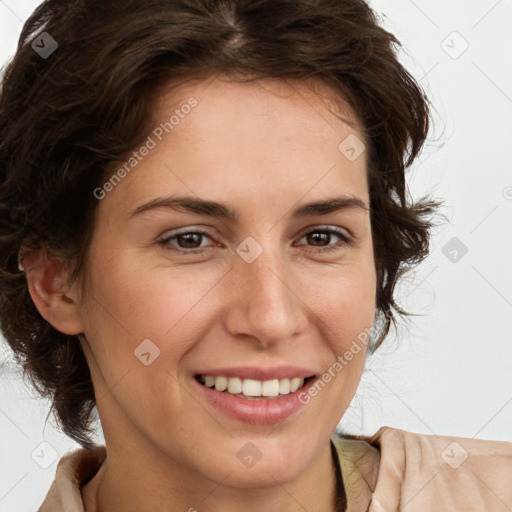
[(321, 237), (186, 241), (189, 240)]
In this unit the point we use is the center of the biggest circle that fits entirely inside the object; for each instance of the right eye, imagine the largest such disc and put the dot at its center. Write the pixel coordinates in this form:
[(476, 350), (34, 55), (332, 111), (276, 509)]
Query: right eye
[(187, 242)]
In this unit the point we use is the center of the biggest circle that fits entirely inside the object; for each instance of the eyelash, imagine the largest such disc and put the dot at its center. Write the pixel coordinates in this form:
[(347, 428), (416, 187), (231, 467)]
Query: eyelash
[(345, 240)]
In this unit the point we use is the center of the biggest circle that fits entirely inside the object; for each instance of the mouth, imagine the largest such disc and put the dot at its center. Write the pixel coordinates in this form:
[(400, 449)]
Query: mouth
[(255, 395), (252, 389)]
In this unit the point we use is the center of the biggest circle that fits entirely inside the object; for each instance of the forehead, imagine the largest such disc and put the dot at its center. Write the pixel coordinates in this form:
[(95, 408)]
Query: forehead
[(268, 138), (308, 96)]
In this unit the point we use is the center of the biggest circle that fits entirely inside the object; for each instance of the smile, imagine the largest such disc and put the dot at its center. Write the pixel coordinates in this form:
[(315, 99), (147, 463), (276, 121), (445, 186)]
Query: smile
[(252, 389)]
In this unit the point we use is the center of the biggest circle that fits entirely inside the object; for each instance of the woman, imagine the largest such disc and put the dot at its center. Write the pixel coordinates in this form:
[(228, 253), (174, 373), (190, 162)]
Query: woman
[(203, 221)]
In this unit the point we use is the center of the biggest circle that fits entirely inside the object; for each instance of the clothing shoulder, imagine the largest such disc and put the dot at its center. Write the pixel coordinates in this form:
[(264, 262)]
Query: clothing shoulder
[(73, 471), (429, 472)]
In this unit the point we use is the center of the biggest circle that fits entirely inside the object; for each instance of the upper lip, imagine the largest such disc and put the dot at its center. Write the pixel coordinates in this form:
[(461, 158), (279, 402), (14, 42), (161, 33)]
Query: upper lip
[(259, 373)]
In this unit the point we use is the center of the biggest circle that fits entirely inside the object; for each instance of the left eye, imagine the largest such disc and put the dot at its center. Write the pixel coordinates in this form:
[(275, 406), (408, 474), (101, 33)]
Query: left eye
[(324, 234), (187, 241)]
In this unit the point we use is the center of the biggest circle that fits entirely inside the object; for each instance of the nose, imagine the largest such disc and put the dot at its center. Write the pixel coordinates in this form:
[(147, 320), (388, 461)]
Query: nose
[(264, 301)]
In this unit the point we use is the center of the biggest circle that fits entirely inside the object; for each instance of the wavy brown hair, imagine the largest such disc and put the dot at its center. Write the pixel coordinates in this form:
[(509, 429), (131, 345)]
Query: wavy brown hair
[(65, 118)]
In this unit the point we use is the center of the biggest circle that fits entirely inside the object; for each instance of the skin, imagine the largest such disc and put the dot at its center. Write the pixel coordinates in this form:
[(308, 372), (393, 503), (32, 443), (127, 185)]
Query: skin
[(264, 148)]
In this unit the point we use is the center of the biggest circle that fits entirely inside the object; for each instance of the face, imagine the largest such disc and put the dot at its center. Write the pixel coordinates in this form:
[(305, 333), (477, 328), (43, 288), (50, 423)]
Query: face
[(260, 289)]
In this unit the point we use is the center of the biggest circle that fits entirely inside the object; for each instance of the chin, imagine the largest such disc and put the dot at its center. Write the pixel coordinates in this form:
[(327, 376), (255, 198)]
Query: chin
[(263, 462), (263, 474)]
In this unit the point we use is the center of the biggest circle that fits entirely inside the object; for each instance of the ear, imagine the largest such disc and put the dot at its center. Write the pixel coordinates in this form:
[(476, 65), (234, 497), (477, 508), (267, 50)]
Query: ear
[(48, 285)]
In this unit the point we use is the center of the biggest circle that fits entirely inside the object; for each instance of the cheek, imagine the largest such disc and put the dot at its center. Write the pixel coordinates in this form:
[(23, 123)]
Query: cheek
[(130, 302), (345, 300), (346, 311), (146, 301)]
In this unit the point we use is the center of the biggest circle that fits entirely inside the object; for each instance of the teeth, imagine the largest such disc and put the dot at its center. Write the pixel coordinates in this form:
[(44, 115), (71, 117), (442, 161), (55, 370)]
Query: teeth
[(234, 385), (251, 388), (221, 383), (270, 388), (284, 386), (295, 384)]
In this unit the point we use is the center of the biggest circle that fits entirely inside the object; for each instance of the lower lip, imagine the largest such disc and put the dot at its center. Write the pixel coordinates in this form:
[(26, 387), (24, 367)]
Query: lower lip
[(255, 412)]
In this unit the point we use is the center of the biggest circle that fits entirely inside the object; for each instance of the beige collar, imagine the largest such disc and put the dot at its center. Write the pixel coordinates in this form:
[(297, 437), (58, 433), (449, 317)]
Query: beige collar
[(395, 470), (392, 471)]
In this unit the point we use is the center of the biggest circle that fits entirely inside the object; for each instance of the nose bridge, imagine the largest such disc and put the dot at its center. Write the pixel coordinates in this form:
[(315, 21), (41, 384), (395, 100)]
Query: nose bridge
[(265, 304)]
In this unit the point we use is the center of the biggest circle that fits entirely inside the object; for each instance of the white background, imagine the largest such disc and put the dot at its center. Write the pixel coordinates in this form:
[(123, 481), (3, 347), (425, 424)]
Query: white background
[(449, 372)]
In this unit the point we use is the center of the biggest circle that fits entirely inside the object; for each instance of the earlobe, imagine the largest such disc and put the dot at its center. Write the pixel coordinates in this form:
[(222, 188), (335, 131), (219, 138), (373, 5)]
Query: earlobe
[(47, 280)]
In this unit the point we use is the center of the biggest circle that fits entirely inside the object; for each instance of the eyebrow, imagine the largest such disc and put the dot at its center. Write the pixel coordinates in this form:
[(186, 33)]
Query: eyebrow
[(215, 209)]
